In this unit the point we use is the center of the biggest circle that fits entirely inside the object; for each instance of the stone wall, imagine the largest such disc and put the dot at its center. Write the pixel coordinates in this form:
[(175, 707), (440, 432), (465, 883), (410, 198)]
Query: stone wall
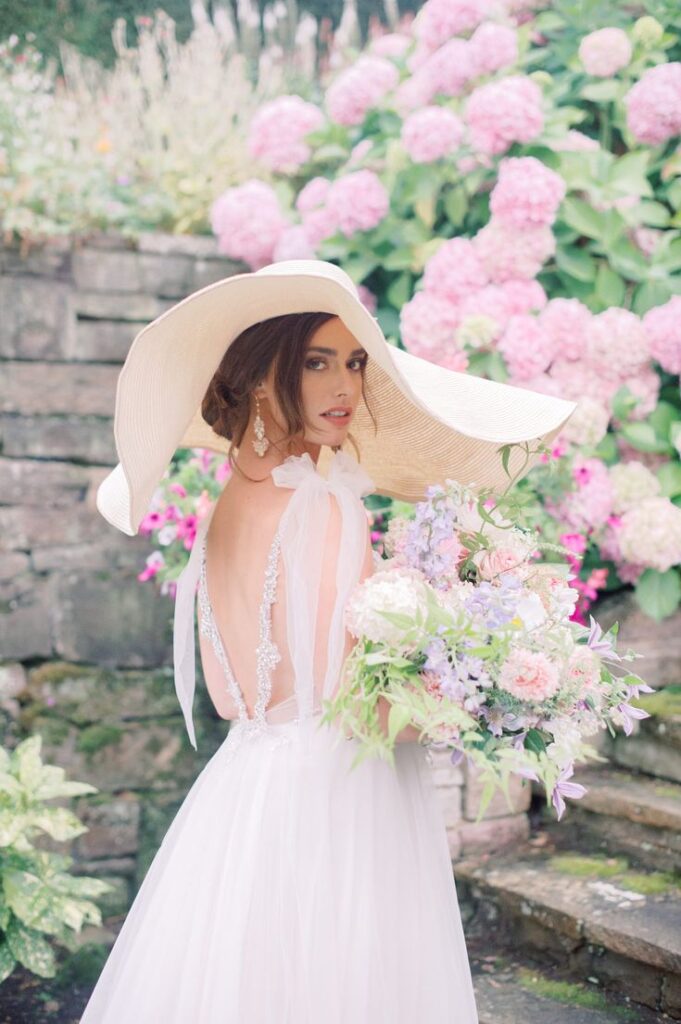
[(85, 649)]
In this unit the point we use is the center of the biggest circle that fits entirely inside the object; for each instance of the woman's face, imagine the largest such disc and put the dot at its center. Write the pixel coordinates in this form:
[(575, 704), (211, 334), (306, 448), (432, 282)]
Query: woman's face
[(331, 380)]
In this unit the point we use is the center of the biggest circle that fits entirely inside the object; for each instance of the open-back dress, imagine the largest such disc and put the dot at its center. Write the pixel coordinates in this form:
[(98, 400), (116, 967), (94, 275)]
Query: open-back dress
[(290, 888)]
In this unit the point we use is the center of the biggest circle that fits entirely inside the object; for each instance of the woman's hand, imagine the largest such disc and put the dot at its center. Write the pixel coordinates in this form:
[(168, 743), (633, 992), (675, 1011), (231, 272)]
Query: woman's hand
[(406, 735)]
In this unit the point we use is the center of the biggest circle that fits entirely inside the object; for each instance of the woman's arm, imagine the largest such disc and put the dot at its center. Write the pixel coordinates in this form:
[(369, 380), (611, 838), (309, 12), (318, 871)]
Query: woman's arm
[(410, 732)]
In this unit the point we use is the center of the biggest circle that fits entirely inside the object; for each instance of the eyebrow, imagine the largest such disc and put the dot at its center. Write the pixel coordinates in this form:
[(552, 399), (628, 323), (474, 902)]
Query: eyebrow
[(334, 352)]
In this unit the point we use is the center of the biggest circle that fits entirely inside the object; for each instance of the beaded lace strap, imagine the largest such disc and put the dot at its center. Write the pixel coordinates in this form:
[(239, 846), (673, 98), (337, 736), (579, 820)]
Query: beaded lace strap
[(209, 628), (267, 652)]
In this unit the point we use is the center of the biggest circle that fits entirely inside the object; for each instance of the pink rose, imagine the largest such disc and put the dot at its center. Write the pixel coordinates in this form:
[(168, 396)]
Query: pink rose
[(529, 675)]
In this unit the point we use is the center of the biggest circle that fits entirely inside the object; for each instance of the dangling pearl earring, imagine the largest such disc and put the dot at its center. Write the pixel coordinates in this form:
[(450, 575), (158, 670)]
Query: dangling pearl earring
[(261, 444)]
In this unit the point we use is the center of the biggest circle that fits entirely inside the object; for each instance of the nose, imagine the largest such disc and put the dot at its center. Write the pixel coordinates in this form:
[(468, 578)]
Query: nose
[(344, 383)]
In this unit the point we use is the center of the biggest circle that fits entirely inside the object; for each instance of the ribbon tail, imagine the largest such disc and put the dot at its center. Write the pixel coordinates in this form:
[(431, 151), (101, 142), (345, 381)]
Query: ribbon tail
[(184, 648)]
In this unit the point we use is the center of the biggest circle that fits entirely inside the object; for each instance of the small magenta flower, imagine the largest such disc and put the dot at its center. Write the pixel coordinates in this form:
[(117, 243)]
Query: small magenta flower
[(154, 564)]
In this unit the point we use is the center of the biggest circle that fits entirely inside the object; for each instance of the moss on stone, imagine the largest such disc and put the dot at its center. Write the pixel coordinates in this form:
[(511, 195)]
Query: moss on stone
[(53, 731), (664, 703), (616, 868), (57, 671), (95, 737), (571, 993), (577, 864)]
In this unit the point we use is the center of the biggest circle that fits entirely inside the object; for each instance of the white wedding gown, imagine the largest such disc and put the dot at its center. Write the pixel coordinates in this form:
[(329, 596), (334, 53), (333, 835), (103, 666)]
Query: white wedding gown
[(290, 889)]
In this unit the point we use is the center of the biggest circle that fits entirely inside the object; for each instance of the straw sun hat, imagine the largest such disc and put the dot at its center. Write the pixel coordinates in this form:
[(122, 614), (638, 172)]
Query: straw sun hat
[(433, 423)]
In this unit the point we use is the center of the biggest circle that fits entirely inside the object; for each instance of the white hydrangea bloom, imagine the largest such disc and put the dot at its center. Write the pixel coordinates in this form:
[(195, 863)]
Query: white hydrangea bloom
[(650, 534), (632, 482), (588, 424), (402, 591)]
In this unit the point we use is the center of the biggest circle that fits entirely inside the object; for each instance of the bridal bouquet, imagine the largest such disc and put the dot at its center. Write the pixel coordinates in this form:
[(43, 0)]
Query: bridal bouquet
[(469, 638)]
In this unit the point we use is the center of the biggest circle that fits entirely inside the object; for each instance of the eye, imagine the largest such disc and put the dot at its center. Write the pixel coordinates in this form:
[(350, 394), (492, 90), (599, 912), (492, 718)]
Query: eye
[(361, 360)]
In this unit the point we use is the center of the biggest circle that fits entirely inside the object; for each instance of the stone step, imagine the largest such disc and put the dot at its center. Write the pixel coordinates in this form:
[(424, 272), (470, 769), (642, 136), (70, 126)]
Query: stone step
[(592, 916), (622, 812), (514, 993), (655, 747)]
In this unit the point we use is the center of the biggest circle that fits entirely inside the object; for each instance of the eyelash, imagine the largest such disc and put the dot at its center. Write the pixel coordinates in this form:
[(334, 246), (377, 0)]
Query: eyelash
[(358, 359)]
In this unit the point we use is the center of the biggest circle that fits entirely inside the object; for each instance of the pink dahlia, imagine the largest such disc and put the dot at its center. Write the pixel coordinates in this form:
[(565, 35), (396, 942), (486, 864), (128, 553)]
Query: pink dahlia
[(431, 133), (493, 47), (359, 88), (278, 131), (605, 52), (454, 270), (616, 343), (501, 113), (526, 348), (357, 202), (663, 325), (567, 321), (508, 254), (527, 193), (439, 20), (529, 675), (248, 222), (654, 104)]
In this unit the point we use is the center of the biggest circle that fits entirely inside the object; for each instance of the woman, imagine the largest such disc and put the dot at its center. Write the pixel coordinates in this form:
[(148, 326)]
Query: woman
[(290, 888)]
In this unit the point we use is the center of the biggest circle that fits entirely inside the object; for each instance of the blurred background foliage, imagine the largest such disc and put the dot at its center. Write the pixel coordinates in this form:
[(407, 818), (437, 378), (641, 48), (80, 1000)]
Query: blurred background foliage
[(86, 24)]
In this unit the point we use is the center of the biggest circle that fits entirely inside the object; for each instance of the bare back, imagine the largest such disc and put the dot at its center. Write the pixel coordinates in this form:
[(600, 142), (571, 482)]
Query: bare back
[(323, 549)]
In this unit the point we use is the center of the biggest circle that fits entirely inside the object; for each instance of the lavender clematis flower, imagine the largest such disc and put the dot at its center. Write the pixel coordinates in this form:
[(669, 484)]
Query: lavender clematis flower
[(629, 713), (598, 643), (563, 788)]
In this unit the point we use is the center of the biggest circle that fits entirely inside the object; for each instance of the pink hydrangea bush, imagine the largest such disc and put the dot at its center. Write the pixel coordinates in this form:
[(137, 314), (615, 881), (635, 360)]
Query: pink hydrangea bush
[(357, 202), (248, 222), (527, 193), (359, 88), (501, 113), (663, 328), (605, 52), (278, 132), (653, 104), (431, 134)]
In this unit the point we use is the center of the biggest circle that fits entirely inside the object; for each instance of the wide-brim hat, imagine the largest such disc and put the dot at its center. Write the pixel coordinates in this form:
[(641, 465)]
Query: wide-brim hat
[(433, 423)]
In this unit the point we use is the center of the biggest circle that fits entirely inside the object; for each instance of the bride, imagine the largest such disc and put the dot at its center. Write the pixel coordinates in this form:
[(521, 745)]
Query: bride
[(290, 888)]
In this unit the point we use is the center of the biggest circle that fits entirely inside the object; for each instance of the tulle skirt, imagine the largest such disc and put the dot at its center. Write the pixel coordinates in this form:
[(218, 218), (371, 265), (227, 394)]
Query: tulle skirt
[(290, 889)]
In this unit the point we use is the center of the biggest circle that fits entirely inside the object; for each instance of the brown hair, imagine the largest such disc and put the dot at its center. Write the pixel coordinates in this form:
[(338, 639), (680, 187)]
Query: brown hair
[(226, 406)]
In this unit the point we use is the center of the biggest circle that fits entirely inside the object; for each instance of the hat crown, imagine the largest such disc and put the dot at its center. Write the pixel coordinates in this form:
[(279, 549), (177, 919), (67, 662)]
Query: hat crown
[(317, 268)]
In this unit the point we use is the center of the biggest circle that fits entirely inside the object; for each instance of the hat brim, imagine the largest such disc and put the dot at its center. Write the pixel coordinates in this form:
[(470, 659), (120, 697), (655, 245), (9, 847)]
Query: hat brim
[(431, 423)]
